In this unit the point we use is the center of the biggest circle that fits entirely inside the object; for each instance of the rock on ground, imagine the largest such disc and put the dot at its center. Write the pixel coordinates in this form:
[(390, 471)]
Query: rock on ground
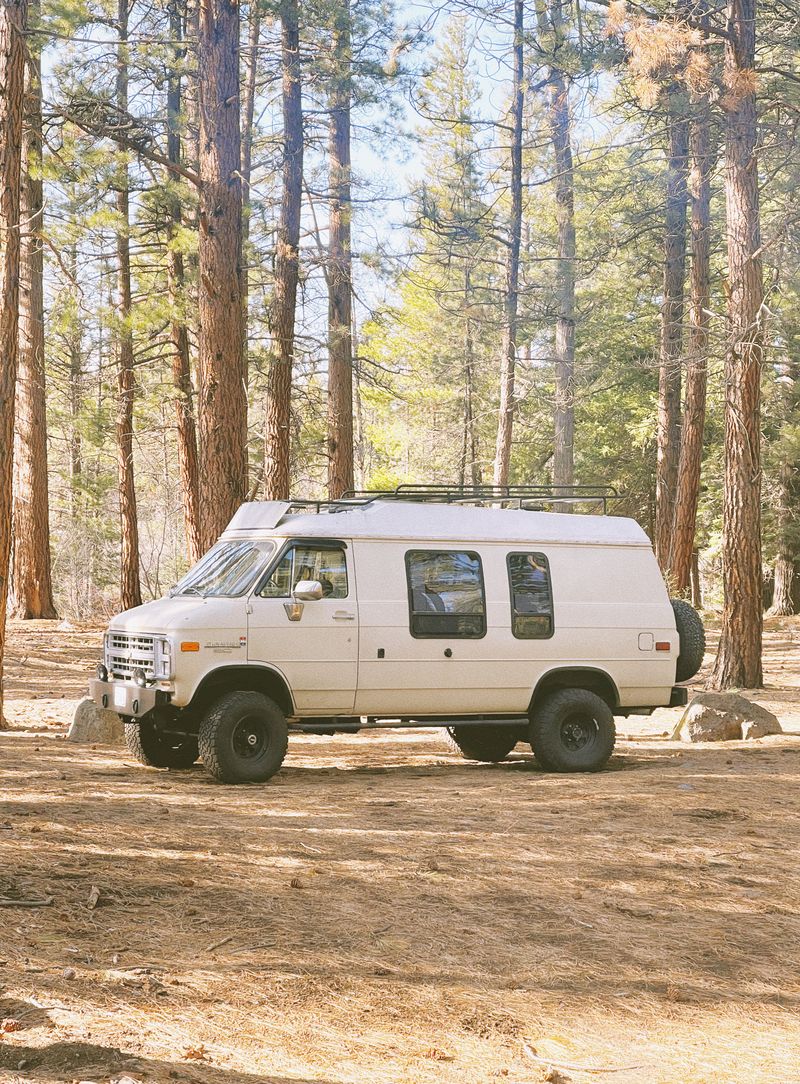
[(93, 724), (725, 717)]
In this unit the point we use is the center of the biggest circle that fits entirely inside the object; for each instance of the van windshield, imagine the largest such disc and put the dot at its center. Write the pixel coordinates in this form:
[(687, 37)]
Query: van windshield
[(228, 569)]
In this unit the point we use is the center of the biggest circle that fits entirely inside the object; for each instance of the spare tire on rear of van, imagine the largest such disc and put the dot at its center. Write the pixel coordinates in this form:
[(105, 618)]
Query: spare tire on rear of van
[(692, 638)]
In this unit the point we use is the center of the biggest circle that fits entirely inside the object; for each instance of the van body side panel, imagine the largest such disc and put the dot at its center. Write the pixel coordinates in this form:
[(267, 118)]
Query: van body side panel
[(604, 598)]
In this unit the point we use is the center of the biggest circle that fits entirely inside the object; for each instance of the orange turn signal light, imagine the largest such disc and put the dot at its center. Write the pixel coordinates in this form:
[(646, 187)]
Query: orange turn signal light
[(192, 645), (662, 645)]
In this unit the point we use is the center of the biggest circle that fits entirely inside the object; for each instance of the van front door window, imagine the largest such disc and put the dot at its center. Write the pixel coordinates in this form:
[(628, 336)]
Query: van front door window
[(327, 566)]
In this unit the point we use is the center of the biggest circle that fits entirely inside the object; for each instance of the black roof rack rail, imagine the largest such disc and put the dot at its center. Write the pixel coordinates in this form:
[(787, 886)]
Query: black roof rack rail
[(525, 497)]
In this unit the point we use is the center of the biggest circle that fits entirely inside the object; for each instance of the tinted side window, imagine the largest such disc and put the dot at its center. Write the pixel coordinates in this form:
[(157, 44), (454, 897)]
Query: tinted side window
[(445, 594), (531, 596), (308, 563)]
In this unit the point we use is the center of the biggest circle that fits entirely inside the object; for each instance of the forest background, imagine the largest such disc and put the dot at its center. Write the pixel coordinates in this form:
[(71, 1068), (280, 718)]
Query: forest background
[(313, 246)]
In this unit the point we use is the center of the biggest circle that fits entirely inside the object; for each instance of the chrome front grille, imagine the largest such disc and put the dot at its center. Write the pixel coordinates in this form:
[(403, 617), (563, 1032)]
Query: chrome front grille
[(128, 652)]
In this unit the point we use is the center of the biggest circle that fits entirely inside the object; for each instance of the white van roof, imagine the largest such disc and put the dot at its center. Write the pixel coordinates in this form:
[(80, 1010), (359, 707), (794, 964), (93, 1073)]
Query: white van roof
[(429, 522)]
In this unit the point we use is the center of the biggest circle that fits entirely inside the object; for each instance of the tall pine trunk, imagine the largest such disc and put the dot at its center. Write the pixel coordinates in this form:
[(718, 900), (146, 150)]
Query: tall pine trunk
[(340, 264), (470, 467), (179, 333), (222, 407), (277, 451), (784, 590), (130, 587), (32, 591), (669, 370), (738, 662), (502, 459), (248, 114), (564, 428), (13, 22), (694, 411)]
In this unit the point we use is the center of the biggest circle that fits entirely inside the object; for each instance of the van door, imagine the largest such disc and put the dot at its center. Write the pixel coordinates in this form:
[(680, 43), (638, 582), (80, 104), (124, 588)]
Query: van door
[(313, 644), (423, 631)]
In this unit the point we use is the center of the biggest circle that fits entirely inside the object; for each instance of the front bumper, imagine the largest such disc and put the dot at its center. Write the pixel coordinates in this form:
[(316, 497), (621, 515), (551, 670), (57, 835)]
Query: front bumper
[(126, 698)]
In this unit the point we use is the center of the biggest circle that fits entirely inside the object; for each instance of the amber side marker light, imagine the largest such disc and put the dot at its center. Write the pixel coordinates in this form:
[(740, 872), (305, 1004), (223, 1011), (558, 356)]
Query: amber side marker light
[(192, 645), (662, 645)]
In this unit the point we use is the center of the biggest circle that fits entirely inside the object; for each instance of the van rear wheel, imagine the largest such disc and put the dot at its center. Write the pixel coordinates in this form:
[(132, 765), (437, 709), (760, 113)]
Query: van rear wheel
[(243, 738), (489, 744), (572, 730)]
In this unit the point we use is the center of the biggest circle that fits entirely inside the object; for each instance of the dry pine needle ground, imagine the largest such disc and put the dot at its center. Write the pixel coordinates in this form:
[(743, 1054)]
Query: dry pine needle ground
[(384, 912)]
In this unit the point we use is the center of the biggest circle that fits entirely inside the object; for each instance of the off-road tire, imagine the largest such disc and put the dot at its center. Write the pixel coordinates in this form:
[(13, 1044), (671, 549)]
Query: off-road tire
[(153, 747), (572, 730), (489, 744), (243, 738), (692, 639)]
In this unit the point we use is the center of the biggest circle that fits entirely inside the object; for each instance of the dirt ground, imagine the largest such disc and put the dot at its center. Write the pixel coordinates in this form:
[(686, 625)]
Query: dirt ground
[(383, 911)]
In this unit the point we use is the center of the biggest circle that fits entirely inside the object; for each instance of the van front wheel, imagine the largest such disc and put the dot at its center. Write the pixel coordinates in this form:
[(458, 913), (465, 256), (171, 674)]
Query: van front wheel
[(158, 748), (243, 738), (572, 730)]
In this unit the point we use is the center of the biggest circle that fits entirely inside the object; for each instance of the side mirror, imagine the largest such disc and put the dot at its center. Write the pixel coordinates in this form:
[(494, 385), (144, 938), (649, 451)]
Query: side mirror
[(307, 591)]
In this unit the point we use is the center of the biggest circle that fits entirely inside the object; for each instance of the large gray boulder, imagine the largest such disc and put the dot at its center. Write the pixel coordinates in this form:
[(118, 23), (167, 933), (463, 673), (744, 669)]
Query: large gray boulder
[(725, 717), (91, 723)]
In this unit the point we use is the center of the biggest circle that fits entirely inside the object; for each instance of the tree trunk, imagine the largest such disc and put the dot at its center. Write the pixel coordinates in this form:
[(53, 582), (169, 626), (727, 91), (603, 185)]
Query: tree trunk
[(563, 449), (340, 265), (13, 22), (738, 662), (277, 451), (223, 402), (130, 586), (248, 114), (470, 467), (691, 452), (502, 459), (75, 398), (697, 597), (669, 370), (179, 333), (32, 591), (783, 597)]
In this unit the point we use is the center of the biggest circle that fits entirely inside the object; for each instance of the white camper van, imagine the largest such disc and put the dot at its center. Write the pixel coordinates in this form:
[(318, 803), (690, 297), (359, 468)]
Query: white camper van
[(428, 607)]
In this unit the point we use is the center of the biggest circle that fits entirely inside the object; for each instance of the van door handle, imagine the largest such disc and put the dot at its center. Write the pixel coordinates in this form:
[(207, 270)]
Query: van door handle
[(342, 615)]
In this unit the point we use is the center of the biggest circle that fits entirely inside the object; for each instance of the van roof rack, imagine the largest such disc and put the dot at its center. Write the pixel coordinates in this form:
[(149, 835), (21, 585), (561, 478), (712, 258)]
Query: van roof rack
[(518, 496), (524, 497)]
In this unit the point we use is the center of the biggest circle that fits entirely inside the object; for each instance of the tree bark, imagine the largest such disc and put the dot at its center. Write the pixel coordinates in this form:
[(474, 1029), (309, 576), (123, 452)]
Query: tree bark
[(786, 560), (502, 459), (75, 396), (669, 370), (277, 450), (340, 264), (248, 114), (223, 402), (738, 662), (179, 333), (130, 586), (32, 591), (691, 451), (13, 22), (470, 467)]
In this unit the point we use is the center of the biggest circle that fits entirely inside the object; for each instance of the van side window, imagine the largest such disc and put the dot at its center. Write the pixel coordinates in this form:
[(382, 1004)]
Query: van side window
[(531, 596), (308, 563), (445, 594)]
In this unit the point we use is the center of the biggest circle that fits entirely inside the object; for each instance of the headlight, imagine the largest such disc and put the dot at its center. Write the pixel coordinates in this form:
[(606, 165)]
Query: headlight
[(102, 673), (139, 676), (162, 664)]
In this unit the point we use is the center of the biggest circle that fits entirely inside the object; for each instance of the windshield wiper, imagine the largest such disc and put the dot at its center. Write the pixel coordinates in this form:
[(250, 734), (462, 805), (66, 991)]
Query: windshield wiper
[(192, 591)]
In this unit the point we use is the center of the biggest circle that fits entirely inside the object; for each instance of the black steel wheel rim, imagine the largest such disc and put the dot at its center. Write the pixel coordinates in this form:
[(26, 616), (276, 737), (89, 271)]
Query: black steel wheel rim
[(578, 731), (250, 738)]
